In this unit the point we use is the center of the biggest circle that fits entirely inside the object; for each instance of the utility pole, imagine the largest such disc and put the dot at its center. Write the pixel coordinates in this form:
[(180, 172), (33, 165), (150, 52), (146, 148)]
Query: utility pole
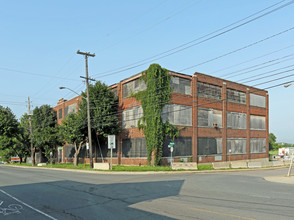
[(31, 133), (86, 54)]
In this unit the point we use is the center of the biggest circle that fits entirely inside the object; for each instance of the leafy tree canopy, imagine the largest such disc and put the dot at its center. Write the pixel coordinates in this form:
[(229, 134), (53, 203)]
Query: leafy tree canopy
[(8, 123), (103, 109), (46, 135), (74, 131)]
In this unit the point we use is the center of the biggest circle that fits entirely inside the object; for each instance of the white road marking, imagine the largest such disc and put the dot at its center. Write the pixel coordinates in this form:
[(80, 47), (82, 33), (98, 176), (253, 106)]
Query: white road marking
[(27, 205)]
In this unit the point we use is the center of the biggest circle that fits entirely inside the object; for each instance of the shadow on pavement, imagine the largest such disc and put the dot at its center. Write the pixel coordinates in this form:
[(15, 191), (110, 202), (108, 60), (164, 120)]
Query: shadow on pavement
[(77, 200)]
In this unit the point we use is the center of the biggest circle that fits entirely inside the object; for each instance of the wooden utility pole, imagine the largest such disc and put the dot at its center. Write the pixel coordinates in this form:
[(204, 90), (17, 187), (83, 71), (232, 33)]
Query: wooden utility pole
[(31, 133), (88, 105)]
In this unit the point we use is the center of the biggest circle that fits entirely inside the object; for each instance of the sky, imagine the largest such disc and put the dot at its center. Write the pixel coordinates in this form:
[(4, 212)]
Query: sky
[(238, 40)]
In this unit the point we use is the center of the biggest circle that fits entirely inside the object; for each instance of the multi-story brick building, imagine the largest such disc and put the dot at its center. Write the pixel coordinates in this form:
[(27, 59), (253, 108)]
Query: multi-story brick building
[(219, 120)]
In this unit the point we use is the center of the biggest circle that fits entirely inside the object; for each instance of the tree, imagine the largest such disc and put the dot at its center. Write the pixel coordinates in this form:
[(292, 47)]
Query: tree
[(153, 99), (46, 135), (103, 111), (272, 140), (9, 129), (73, 130)]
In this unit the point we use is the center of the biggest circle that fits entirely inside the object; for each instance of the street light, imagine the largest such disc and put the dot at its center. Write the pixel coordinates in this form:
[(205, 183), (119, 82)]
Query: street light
[(62, 87), (89, 122)]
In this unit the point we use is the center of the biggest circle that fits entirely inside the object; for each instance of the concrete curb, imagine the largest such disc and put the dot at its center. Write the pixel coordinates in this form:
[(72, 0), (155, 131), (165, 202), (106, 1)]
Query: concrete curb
[(149, 172)]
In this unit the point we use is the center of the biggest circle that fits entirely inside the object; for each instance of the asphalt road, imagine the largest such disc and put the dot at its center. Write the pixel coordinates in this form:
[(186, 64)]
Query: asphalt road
[(30, 193)]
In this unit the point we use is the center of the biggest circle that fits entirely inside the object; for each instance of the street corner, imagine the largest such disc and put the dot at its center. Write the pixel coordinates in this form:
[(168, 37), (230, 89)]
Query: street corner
[(281, 179)]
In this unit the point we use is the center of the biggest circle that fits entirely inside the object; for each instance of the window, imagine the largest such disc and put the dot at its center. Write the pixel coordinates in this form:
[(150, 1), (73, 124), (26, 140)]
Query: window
[(60, 114), (209, 146), (133, 87), (180, 85), (257, 145), (70, 109), (209, 91), (257, 122), (209, 118), (236, 96), (183, 147), (257, 100), (236, 145), (135, 147), (236, 120), (177, 114), (131, 116)]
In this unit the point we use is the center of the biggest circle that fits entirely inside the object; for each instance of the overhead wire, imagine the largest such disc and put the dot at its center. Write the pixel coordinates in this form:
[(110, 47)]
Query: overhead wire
[(179, 48), (261, 74), (253, 59), (262, 67), (239, 49)]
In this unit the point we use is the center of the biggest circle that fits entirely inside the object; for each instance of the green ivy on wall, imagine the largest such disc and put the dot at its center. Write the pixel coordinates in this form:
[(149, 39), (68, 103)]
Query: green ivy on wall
[(153, 99)]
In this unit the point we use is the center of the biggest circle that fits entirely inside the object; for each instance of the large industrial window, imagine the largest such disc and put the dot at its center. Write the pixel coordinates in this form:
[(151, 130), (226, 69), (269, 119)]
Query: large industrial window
[(181, 85), (177, 114), (209, 118), (236, 120), (257, 122), (257, 145), (236, 146), (236, 96), (131, 116), (70, 109), (209, 91), (133, 87), (257, 100), (60, 114), (209, 146), (183, 147), (135, 147)]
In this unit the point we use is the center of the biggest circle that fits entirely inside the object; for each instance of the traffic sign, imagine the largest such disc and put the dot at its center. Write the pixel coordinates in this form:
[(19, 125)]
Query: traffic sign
[(111, 141)]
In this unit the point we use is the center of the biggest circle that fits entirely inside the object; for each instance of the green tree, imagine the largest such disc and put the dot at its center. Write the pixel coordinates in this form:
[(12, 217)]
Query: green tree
[(153, 99), (103, 111), (46, 135), (74, 130), (272, 141), (9, 129)]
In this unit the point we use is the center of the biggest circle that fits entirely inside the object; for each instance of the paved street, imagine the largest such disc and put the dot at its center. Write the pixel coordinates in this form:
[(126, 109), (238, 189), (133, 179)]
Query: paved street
[(31, 193)]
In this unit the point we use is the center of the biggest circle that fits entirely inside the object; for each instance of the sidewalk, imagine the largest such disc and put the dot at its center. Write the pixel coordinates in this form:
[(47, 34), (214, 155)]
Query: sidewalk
[(281, 179)]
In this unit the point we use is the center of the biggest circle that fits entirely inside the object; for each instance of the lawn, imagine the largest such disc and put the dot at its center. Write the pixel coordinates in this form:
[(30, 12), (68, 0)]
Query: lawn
[(116, 167)]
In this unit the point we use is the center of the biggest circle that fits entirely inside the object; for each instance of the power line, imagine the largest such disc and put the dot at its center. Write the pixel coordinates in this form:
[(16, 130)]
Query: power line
[(273, 80), (265, 73), (239, 49), (253, 59), (239, 74), (36, 74), (179, 48)]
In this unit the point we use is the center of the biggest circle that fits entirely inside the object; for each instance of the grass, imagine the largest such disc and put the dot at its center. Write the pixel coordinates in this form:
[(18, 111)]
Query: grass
[(117, 167), (139, 168), (205, 167)]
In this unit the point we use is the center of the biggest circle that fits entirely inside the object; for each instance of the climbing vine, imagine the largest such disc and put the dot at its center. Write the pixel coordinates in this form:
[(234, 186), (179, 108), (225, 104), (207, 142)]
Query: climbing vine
[(153, 99)]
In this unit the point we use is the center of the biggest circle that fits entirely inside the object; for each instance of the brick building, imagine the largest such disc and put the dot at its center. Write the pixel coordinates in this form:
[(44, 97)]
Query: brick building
[(219, 120)]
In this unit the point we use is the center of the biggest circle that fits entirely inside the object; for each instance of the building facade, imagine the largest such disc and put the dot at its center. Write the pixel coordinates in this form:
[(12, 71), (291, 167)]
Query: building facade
[(219, 120)]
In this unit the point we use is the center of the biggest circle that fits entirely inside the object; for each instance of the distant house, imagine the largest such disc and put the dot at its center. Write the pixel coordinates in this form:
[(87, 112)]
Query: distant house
[(221, 121)]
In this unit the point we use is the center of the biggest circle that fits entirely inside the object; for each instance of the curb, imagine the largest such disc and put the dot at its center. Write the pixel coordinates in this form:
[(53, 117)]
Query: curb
[(148, 172)]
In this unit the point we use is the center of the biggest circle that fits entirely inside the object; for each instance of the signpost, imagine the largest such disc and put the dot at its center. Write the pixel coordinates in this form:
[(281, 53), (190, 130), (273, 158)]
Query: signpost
[(171, 147), (290, 167), (111, 145)]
